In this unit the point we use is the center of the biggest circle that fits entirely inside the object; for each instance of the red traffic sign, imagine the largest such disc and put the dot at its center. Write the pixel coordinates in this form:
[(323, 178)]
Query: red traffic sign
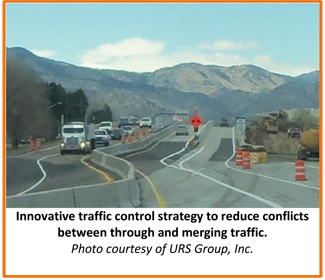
[(196, 121)]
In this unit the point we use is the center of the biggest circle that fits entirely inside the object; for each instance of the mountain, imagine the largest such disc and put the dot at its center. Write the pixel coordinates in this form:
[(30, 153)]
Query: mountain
[(212, 79), (217, 91), (312, 77)]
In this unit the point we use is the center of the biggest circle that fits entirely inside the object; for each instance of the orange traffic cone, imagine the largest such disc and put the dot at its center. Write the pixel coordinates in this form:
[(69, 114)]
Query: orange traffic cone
[(300, 170), (247, 161), (239, 157)]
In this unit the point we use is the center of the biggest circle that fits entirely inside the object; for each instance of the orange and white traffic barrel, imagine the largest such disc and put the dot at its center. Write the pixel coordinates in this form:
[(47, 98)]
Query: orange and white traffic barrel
[(239, 157), (247, 161), (144, 131), (130, 138), (137, 135), (38, 143), (32, 146), (300, 170), (123, 139)]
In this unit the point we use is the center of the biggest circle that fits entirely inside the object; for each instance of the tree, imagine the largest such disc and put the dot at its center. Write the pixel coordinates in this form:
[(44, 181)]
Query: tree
[(77, 104), (104, 114), (57, 94), (305, 119), (26, 104)]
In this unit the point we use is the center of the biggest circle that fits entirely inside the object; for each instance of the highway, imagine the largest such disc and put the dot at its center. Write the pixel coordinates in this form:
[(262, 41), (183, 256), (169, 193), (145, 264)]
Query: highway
[(170, 176)]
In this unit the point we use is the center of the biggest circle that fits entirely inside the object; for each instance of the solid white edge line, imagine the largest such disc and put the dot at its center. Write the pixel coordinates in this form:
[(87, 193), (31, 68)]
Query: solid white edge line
[(270, 203), (261, 175), (44, 174)]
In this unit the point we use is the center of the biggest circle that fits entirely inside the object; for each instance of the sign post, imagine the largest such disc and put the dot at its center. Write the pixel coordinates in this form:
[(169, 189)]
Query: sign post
[(241, 125)]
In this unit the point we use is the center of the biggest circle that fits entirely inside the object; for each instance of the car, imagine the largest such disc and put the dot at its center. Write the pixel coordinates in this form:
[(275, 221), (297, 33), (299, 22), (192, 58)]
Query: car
[(127, 130), (123, 121), (146, 122), (102, 137), (117, 133), (134, 121), (181, 130), (224, 123), (108, 125), (296, 134)]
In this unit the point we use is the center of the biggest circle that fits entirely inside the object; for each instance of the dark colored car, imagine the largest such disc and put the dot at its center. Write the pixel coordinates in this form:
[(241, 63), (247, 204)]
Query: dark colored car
[(134, 121), (123, 122), (296, 134), (224, 123), (117, 134)]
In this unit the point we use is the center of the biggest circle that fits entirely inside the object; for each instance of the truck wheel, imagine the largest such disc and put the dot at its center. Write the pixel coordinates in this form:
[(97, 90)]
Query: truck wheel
[(302, 155), (62, 152)]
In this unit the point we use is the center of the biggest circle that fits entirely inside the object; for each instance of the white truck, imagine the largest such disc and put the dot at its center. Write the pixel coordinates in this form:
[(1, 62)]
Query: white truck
[(77, 137)]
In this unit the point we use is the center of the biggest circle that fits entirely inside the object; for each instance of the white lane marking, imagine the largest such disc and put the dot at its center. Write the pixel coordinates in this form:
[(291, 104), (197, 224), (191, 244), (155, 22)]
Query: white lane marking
[(44, 174), (260, 175), (181, 167)]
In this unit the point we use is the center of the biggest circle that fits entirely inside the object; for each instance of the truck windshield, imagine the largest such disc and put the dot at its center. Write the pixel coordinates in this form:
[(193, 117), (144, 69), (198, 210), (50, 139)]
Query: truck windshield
[(73, 130)]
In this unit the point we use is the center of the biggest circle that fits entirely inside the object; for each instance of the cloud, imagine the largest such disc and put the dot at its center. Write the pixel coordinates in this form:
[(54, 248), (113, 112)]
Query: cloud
[(134, 47), (142, 55), (268, 63), (229, 45), (44, 53)]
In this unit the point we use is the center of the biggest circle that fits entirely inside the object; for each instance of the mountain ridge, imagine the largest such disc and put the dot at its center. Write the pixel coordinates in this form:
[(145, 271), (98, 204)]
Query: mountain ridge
[(218, 91)]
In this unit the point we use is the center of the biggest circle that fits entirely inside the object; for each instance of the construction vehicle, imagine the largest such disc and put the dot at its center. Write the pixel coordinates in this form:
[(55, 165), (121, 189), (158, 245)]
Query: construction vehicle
[(309, 144), (270, 122), (77, 137)]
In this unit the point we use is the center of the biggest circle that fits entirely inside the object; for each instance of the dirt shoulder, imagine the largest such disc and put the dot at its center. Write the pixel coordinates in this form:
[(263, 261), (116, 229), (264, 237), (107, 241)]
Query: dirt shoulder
[(23, 149), (273, 143)]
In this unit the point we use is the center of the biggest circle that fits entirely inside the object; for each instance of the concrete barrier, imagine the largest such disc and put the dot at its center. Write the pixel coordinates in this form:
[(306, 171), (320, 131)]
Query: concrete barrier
[(201, 135), (127, 148), (124, 193)]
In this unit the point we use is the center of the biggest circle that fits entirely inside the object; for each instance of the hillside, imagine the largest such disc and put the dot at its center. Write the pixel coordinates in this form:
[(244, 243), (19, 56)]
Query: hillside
[(217, 91)]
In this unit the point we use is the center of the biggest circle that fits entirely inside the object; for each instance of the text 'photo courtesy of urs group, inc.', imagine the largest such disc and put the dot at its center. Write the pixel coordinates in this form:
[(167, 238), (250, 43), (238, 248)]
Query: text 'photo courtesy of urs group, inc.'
[(213, 232), (164, 239)]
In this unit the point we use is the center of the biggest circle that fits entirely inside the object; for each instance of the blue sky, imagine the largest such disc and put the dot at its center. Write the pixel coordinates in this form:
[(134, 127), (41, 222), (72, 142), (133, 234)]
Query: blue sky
[(282, 38)]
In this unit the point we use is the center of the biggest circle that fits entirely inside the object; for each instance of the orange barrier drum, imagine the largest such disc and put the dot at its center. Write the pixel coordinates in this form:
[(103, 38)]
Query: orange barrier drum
[(300, 170), (247, 161), (239, 157)]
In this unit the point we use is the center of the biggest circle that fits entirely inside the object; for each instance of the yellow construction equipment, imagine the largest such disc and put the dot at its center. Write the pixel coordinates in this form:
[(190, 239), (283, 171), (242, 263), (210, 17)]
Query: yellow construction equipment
[(309, 144)]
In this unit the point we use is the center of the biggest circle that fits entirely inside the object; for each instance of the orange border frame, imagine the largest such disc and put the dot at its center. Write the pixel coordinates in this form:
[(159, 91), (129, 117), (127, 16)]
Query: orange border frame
[(159, 276)]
